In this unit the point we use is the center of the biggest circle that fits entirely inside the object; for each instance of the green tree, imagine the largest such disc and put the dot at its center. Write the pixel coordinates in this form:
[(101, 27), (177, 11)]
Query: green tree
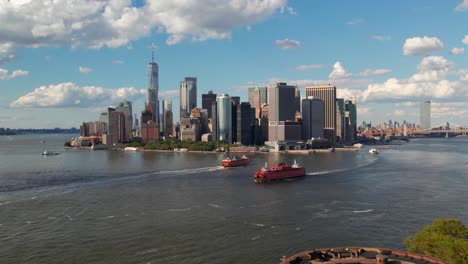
[(446, 239)]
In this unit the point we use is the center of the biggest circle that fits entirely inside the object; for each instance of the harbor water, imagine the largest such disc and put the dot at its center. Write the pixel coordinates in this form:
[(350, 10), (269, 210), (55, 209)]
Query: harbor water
[(147, 207)]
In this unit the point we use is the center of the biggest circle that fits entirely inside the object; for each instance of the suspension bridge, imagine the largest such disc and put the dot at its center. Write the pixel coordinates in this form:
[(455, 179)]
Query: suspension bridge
[(447, 128)]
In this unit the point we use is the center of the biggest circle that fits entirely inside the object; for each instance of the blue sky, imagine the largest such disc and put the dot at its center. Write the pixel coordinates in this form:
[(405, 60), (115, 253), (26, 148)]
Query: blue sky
[(62, 64)]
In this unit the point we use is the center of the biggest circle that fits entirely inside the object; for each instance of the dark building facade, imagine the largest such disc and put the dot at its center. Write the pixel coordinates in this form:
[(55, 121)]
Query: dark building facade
[(214, 121), (235, 101), (327, 93), (207, 102), (245, 123), (283, 104), (313, 118)]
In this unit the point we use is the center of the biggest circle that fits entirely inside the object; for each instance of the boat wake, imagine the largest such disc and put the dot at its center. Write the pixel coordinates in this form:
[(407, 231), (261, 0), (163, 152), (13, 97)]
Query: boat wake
[(364, 211), (187, 171), (363, 164)]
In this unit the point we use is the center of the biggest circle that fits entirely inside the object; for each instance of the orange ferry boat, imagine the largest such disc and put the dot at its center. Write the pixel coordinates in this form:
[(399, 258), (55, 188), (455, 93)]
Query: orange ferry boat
[(235, 161), (279, 172)]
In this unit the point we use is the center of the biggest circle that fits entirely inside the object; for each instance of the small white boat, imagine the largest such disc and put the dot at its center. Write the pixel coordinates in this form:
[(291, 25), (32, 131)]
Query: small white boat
[(130, 149), (49, 153), (373, 151)]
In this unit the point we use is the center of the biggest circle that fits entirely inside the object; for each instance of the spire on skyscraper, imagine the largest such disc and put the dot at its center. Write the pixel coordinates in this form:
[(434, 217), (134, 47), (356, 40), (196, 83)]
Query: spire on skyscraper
[(152, 52)]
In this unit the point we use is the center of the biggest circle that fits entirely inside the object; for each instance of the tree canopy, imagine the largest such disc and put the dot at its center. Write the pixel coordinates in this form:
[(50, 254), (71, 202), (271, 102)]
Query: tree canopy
[(446, 239)]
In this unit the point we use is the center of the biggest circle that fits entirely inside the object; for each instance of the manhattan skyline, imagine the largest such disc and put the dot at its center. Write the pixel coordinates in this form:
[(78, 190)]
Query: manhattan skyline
[(57, 70)]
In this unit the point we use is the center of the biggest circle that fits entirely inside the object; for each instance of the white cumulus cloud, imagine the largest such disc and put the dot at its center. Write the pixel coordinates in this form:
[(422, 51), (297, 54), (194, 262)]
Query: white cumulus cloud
[(309, 67), (85, 70), (434, 63), (116, 23), (375, 72), (430, 82), (401, 90), (6, 75), (73, 95), (457, 51), (288, 44), (421, 46), (463, 6), (339, 72)]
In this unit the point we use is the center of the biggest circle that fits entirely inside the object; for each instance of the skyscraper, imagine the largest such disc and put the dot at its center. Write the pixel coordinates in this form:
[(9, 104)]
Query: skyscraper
[(340, 120), (168, 124), (313, 118), (245, 121), (327, 93), (425, 114), (258, 97), (224, 122), (207, 101), (153, 87), (126, 108), (167, 107), (283, 104), (351, 123), (235, 101), (188, 96)]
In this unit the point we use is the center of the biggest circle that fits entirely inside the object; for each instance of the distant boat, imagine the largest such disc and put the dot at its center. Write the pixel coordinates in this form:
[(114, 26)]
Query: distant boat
[(130, 149), (373, 151), (43, 141), (49, 153), (281, 171), (235, 161)]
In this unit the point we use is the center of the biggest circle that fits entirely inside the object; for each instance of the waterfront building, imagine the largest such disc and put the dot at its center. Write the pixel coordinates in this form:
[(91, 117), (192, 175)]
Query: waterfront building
[(188, 96), (282, 107), (93, 129), (153, 87), (214, 121), (161, 123), (258, 97), (245, 123), (282, 101), (149, 128), (207, 102), (340, 120), (103, 117), (115, 127), (188, 133), (313, 118), (285, 134), (235, 101), (199, 121), (167, 106), (351, 122), (425, 114), (126, 108), (327, 93), (224, 122), (168, 123)]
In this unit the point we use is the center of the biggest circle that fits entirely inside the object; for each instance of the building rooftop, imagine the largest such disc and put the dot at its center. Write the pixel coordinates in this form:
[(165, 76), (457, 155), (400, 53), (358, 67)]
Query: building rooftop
[(359, 255)]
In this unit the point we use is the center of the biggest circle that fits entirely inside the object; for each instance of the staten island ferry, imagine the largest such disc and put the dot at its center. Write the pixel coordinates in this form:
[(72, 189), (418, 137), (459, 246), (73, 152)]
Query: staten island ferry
[(279, 172), (235, 161)]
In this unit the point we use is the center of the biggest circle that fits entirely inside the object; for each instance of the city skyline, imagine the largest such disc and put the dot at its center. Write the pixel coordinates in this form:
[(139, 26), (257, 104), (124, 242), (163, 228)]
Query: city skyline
[(54, 67)]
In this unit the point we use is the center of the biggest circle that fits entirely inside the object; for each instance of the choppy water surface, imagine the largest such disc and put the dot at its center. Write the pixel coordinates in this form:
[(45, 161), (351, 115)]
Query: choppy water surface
[(117, 207)]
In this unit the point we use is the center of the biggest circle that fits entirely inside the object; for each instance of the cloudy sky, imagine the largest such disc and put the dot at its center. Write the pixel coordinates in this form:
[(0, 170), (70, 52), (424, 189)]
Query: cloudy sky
[(63, 62)]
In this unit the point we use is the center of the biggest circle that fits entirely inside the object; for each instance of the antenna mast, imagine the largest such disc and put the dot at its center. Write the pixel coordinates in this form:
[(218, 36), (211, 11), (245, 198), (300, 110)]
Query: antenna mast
[(152, 52)]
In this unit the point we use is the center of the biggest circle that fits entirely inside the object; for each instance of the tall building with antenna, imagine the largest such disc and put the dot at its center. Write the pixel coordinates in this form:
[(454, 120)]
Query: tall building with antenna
[(153, 86)]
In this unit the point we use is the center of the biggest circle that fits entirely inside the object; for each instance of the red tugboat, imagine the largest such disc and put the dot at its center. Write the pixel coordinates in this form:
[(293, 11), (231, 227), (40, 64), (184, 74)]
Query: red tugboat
[(279, 172), (235, 161)]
